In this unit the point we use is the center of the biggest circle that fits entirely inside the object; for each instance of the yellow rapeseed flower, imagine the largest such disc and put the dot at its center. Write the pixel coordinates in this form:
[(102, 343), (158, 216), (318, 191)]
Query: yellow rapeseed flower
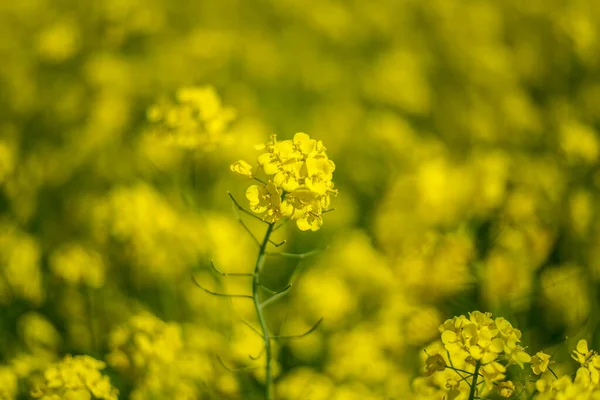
[(540, 362), (76, 377), (299, 185)]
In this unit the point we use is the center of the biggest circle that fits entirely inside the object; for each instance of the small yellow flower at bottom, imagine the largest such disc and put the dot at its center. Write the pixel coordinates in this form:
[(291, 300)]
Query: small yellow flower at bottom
[(76, 378)]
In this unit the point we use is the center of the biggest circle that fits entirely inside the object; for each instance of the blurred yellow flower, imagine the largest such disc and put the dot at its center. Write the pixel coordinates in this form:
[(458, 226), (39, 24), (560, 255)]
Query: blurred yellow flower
[(77, 264), (143, 342), (196, 120), (8, 383), (75, 378)]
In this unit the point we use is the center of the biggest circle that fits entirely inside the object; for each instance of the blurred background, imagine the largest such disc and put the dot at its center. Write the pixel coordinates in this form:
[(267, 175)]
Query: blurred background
[(465, 135)]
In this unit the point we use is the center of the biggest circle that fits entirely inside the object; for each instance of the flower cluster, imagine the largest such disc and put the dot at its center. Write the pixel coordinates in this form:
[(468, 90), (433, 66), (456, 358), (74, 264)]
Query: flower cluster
[(20, 272), (196, 119), (586, 384), (8, 383), (299, 185), (482, 339), (477, 345), (76, 377), (145, 341), (76, 264)]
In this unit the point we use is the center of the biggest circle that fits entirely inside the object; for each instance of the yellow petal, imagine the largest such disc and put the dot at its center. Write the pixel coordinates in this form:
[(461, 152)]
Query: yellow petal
[(582, 347), (253, 194), (305, 143)]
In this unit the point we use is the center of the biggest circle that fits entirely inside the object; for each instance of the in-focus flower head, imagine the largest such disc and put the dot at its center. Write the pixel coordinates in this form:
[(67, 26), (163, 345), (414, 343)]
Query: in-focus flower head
[(299, 184)]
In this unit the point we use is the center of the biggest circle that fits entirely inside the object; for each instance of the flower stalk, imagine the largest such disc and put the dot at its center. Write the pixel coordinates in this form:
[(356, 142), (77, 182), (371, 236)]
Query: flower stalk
[(260, 261), (474, 381)]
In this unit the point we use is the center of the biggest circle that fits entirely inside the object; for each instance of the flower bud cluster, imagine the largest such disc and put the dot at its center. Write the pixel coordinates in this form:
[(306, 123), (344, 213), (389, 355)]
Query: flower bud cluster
[(299, 185), (76, 377)]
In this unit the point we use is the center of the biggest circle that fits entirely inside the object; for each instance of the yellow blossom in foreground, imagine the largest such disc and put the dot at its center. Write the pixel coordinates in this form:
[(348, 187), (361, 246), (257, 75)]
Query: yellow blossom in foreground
[(299, 185)]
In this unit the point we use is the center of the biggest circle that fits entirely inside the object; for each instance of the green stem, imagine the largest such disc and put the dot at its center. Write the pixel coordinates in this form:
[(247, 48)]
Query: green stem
[(474, 382), (260, 261)]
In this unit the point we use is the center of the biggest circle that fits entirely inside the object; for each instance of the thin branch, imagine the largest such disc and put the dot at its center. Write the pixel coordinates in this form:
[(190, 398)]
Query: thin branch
[(242, 209), (249, 325), (266, 289), (239, 218), (460, 370), (262, 351), (308, 332), (326, 211), (247, 229), (464, 378), (236, 369), (259, 180), (218, 271), (278, 244), (285, 318), (281, 224), (275, 297), (245, 296), (294, 255)]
